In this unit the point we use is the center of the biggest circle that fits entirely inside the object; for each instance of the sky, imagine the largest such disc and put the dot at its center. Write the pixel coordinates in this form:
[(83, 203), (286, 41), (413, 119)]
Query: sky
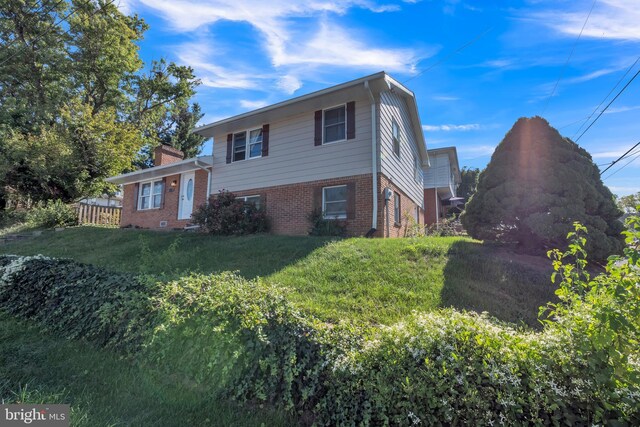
[(474, 66)]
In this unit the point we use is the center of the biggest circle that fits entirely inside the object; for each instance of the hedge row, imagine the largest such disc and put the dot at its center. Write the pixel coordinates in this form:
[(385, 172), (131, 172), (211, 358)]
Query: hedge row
[(243, 339)]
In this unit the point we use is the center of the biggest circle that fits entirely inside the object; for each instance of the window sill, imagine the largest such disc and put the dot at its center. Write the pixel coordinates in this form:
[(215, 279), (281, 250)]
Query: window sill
[(397, 224), (244, 160), (334, 142), (334, 218), (148, 209)]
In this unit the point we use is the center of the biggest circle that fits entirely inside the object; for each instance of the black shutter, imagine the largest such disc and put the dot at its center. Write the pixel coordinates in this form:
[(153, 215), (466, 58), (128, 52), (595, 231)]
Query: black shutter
[(136, 189), (229, 147), (351, 120), (351, 200), (317, 198), (317, 140), (164, 190), (265, 140)]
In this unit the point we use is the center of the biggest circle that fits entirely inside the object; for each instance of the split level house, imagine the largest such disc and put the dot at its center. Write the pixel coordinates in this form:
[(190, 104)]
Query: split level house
[(355, 152)]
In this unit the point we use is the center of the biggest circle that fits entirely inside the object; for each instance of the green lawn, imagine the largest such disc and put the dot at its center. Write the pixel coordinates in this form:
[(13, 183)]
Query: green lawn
[(375, 280), (105, 390)]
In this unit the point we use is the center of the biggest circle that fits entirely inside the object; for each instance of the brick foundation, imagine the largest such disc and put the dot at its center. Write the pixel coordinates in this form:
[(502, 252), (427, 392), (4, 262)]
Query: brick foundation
[(289, 205), (169, 212)]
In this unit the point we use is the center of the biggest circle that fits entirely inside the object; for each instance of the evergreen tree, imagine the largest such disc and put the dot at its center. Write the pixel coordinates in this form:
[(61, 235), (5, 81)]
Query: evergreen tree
[(533, 189), (469, 182)]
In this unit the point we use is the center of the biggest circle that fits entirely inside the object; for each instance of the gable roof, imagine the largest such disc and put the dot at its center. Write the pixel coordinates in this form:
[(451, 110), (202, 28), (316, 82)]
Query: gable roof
[(377, 82)]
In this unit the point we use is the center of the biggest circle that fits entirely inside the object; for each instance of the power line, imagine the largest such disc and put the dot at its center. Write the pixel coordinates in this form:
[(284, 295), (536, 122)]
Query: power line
[(605, 98), (620, 158), (564, 67), (458, 50), (623, 166), (40, 10), (608, 105)]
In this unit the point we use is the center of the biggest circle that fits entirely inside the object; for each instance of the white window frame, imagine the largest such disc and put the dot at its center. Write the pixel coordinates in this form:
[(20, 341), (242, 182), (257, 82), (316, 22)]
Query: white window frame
[(152, 193), (247, 144), (245, 199), (395, 139), (324, 135), (397, 217), (417, 169), (340, 216)]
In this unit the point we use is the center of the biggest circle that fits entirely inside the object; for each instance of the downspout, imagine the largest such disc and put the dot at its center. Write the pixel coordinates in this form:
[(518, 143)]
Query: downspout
[(374, 159), (205, 168)]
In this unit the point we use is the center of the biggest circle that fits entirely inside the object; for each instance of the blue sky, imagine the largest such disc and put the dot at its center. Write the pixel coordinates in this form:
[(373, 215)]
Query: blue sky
[(251, 53)]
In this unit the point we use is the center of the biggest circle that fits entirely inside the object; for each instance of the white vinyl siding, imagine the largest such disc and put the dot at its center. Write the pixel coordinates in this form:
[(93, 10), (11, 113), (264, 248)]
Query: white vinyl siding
[(400, 169), (293, 157)]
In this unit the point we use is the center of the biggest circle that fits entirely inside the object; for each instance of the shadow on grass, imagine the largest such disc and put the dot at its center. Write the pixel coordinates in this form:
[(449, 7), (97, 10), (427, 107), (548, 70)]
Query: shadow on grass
[(487, 278)]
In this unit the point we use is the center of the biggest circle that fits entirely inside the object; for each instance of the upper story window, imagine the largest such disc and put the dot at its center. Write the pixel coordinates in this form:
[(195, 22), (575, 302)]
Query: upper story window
[(334, 202), (335, 124), (417, 170), (150, 195), (395, 137), (247, 146)]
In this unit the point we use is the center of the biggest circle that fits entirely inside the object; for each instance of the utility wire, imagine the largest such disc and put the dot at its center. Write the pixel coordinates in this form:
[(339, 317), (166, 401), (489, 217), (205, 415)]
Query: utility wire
[(620, 158), (458, 50), (40, 10), (608, 105), (623, 166), (605, 98), (55, 25), (564, 67)]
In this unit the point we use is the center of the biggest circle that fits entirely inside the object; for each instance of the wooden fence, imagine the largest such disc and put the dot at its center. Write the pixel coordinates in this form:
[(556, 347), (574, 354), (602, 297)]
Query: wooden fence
[(100, 215)]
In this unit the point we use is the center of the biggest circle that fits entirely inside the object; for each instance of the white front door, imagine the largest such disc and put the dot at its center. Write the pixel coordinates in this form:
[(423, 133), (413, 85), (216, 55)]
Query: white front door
[(186, 195)]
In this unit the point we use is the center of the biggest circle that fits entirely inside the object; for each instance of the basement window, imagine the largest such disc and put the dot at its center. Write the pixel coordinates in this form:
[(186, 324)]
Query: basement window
[(251, 199), (334, 202)]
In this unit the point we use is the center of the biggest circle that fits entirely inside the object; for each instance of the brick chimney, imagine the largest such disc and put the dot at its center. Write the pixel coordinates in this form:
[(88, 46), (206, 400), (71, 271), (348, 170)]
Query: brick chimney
[(164, 155)]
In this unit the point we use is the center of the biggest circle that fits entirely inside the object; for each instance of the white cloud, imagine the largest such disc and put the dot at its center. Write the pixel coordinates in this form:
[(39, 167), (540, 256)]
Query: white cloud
[(296, 36), (622, 109), (252, 105), (445, 98), (610, 19), (474, 151), (449, 128)]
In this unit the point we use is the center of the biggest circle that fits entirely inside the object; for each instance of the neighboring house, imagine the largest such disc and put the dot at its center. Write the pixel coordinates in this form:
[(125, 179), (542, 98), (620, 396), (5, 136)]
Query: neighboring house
[(105, 200), (355, 151), (441, 180)]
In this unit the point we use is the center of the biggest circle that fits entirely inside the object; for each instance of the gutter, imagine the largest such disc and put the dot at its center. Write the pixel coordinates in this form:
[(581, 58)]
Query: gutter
[(205, 168), (374, 158)]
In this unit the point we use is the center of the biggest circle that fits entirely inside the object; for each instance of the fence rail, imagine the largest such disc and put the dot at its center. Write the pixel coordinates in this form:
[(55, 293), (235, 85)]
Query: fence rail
[(100, 215)]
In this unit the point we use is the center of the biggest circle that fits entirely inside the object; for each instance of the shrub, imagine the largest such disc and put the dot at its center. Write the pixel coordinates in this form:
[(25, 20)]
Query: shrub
[(446, 227), (224, 214), (321, 226), (244, 339), (54, 213)]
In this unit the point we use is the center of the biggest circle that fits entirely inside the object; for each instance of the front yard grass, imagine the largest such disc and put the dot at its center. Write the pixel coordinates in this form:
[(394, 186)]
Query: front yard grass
[(372, 280)]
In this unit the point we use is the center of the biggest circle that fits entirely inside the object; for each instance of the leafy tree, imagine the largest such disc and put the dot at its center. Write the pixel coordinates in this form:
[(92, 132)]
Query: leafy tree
[(469, 182), (629, 203), (535, 186), (76, 63)]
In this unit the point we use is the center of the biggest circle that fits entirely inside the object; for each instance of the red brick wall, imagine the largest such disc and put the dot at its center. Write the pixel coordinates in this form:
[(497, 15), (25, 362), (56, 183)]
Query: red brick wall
[(407, 209), (151, 218), (289, 205), (432, 205)]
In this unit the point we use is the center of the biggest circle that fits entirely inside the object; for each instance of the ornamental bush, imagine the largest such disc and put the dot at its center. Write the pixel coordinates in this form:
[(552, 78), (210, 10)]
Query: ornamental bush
[(227, 215)]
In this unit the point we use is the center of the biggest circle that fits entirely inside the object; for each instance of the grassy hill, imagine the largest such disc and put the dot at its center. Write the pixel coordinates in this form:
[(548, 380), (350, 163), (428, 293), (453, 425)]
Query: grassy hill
[(374, 280)]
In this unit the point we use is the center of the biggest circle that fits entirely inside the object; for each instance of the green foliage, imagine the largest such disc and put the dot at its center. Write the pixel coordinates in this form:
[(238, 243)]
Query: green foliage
[(446, 227), (227, 215), (75, 104), (535, 186), (227, 335), (469, 182), (630, 203), (321, 226), (53, 213)]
